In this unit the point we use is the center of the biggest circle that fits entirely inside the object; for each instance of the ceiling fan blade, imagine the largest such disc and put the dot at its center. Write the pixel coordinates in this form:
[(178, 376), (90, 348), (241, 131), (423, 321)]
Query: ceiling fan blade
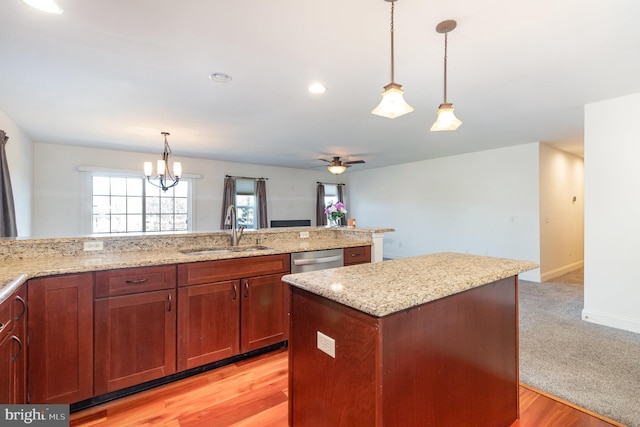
[(353, 162)]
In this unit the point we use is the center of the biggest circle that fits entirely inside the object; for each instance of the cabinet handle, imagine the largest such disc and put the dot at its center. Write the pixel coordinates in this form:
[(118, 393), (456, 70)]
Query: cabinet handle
[(353, 254), (235, 292), (24, 307), (2, 326), (136, 281), (169, 300), (15, 338), (246, 289)]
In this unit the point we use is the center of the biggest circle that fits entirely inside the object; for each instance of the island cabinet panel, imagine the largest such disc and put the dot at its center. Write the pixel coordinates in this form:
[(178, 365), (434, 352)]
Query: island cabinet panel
[(357, 255), (60, 327), (135, 339), (13, 348), (450, 362), (209, 323)]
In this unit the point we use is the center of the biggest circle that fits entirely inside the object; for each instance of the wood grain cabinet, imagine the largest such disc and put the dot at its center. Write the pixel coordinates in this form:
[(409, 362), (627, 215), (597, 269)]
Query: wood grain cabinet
[(357, 255), (60, 327), (228, 307), (135, 326), (13, 366)]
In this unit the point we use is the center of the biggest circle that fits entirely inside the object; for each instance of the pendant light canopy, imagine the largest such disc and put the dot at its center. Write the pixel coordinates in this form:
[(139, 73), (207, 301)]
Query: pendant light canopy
[(393, 104), (446, 120)]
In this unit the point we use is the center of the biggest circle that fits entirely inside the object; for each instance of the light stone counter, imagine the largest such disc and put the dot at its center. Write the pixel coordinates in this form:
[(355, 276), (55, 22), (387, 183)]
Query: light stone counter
[(21, 260), (383, 288)]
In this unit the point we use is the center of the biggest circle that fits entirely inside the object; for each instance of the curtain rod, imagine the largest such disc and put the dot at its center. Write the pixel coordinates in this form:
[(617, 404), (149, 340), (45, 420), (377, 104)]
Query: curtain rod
[(328, 183), (247, 177)]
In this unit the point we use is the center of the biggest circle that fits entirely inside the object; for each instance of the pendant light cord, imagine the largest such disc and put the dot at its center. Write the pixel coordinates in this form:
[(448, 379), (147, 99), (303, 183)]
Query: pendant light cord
[(392, 62), (445, 67)]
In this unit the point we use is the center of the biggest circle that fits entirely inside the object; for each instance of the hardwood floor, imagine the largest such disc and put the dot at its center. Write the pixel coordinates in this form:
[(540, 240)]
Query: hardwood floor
[(253, 393)]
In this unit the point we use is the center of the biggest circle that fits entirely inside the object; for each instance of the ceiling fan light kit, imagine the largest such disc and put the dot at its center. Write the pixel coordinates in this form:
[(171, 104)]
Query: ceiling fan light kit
[(446, 119), (337, 166), (392, 104)]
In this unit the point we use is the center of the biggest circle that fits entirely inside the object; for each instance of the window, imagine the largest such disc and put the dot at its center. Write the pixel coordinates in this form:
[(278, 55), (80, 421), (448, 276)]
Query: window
[(246, 203), (133, 205), (330, 194)]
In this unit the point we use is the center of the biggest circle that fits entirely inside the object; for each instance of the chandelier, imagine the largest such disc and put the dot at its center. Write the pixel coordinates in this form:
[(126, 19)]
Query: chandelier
[(163, 177)]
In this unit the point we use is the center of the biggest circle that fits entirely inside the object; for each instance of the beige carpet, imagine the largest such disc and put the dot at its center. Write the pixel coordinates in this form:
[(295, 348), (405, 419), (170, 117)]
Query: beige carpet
[(590, 365)]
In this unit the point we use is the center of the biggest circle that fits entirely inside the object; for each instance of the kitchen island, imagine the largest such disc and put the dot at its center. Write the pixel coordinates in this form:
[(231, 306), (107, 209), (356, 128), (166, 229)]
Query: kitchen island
[(423, 341)]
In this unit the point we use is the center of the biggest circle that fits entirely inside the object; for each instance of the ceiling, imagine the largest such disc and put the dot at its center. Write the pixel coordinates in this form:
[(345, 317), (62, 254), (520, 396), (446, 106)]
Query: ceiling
[(115, 73)]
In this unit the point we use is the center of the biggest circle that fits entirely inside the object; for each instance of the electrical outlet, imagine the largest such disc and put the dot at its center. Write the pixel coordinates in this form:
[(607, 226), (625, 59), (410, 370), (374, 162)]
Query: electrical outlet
[(95, 245), (327, 344), (304, 234)]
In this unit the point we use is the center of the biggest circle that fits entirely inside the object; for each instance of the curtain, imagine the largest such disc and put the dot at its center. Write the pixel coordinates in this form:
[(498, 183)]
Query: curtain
[(341, 221), (321, 217), (8, 227), (228, 199), (261, 201)]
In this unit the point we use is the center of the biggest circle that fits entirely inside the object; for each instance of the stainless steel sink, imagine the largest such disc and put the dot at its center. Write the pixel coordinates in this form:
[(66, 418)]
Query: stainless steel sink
[(225, 250)]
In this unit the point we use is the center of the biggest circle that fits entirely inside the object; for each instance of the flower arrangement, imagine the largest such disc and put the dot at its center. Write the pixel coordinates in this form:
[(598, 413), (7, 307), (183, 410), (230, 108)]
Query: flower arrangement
[(335, 211)]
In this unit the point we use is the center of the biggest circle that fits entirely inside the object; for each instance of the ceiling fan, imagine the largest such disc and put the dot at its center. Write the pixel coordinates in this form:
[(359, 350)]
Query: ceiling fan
[(337, 166)]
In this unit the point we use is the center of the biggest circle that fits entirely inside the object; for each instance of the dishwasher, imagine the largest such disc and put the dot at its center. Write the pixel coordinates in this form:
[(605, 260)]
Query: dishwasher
[(316, 260)]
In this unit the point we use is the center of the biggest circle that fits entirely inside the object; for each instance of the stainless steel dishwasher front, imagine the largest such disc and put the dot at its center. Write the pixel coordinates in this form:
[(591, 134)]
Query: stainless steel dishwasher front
[(316, 260)]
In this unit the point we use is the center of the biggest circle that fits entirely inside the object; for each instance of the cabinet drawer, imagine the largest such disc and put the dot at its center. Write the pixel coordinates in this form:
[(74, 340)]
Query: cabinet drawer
[(229, 269), (357, 255), (133, 280)]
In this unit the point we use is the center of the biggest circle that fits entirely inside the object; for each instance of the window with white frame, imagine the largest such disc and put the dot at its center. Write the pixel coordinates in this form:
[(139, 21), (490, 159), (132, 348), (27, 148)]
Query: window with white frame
[(122, 204), (330, 194), (246, 209)]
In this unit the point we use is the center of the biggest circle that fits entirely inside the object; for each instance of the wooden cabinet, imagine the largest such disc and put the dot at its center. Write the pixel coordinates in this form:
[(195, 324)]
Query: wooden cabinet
[(13, 366), (228, 307), (60, 327), (208, 323), (357, 255), (135, 326)]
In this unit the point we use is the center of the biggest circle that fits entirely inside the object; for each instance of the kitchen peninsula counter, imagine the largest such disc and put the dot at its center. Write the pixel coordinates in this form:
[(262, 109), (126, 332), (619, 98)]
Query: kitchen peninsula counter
[(424, 341), (23, 259)]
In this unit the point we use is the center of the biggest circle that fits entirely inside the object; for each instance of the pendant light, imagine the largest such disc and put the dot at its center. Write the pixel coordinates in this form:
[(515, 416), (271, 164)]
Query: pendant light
[(164, 177), (446, 119), (393, 104)]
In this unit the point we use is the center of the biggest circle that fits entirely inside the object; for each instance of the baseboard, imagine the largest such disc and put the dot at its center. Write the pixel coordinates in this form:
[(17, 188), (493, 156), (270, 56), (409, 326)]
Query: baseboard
[(619, 322), (548, 275)]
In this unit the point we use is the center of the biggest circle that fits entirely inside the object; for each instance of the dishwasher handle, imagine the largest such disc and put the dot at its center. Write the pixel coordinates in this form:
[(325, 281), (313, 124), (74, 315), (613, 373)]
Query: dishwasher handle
[(322, 260)]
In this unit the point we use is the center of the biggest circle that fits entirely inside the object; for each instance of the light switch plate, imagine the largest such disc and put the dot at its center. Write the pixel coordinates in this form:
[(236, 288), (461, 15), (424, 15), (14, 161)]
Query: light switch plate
[(327, 344), (94, 245), (304, 234)]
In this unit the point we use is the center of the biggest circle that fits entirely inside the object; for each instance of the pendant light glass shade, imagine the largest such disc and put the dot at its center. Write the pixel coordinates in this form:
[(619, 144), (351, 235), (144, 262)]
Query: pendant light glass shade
[(446, 119), (392, 104)]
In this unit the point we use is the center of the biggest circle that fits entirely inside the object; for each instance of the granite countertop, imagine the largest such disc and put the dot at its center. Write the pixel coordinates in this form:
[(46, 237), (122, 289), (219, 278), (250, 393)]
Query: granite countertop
[(383, 288), (14, 273)]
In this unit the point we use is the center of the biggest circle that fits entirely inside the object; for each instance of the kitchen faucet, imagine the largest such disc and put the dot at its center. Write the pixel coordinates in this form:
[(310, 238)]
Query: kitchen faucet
[(236, 233)]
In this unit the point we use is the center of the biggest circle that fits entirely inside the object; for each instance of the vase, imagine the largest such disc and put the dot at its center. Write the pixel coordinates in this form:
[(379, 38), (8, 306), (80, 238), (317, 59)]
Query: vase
[(333, 222)]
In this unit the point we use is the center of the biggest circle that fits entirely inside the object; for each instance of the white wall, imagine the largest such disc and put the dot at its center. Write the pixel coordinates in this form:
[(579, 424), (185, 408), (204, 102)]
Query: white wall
[(480, 203), (561, 219), (20, 159), (612, 213), (58, 187)]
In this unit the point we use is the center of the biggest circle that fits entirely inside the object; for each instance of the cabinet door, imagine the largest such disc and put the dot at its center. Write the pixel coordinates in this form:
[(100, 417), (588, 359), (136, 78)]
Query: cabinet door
[(208, 323), (265, 315), (60, 325), (19, 338), (135, 339), (357, 255)]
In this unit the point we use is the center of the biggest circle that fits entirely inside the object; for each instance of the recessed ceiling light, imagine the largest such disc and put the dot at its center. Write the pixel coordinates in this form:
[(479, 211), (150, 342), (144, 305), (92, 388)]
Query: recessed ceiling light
[(317, 88), (48, 6), (220, 77)]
